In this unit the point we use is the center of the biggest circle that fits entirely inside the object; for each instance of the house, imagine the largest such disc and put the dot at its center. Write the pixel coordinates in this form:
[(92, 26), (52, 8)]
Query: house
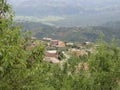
[(51, 53), (51, 59), (51, 56), (57, 43), (87, 43), (47, 39), (77, 52), (69, 44), (61, 44), (54, 43)]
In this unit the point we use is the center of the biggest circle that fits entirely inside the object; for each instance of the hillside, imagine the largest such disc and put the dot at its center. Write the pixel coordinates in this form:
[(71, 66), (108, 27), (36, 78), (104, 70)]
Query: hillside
[(90, 33)]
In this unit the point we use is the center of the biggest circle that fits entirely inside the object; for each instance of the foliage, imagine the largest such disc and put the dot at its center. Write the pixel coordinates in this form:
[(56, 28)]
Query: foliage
[(104, 66), (14, 73)]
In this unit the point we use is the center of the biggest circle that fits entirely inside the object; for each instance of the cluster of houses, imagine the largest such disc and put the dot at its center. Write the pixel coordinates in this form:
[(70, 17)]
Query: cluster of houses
[(51, 55), (68, 49), (54, 49)]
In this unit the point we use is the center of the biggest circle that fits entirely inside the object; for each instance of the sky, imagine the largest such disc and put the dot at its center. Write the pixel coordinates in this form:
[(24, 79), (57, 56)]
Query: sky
[(91, 8), (84, 3)]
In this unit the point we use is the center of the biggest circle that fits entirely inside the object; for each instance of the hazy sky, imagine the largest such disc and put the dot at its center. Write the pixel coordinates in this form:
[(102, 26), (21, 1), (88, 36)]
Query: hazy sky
[(55, 5), (84, 3)]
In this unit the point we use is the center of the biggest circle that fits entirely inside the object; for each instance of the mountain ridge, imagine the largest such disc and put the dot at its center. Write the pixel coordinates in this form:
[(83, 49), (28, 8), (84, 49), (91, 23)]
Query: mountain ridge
[(91, 33)]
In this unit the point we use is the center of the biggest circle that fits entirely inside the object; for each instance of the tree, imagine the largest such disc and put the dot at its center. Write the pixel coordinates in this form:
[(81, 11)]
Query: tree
[(104, 67), (14, 73)]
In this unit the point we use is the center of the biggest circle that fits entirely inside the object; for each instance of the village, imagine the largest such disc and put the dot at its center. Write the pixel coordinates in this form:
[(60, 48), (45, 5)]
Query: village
[(57, 51)]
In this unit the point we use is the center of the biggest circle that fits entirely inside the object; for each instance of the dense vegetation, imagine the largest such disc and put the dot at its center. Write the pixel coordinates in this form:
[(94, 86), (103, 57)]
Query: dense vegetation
[(22, 69), (17, 67)]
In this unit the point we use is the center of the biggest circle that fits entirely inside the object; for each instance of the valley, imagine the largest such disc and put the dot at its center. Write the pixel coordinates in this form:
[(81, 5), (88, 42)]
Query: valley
[(90, 33)]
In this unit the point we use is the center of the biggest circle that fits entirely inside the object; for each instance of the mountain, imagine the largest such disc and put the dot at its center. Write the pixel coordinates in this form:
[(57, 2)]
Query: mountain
[(77, 34)]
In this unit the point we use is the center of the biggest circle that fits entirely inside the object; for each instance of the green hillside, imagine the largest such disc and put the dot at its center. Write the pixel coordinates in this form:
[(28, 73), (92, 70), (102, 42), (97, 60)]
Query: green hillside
[(90, 33)]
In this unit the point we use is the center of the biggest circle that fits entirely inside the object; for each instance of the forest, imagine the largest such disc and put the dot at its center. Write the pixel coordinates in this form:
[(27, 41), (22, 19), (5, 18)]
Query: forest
[(22, 69)]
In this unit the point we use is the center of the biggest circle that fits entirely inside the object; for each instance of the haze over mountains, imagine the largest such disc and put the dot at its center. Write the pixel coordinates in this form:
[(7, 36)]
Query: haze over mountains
[(62, 7), (72, 12)]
